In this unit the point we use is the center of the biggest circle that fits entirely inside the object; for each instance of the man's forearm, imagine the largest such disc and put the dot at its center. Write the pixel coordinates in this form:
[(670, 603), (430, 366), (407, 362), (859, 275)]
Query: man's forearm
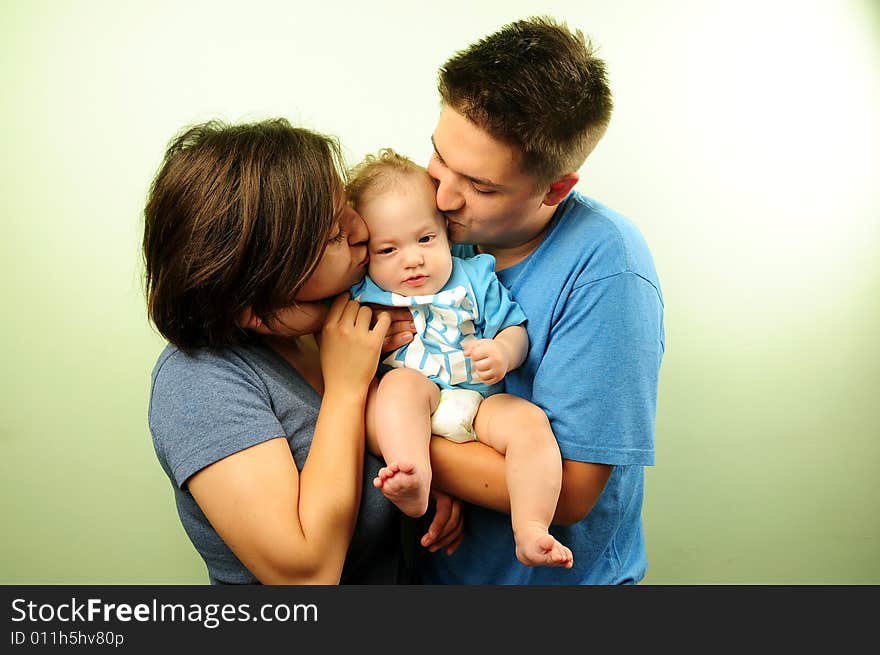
[(475, 473), (472, 472)]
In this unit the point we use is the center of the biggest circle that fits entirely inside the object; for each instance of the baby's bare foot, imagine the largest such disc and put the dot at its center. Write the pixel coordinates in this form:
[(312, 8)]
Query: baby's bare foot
[(535, 546), (384, 473), (404, 486)]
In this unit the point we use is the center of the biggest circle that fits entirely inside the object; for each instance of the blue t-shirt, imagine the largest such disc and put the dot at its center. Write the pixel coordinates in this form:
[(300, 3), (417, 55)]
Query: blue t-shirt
[(472, 304), (208, 404), (596, 336)]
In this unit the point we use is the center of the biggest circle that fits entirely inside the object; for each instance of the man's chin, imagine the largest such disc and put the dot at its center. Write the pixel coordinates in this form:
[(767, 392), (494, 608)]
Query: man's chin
[(457, 232), (461, 236)]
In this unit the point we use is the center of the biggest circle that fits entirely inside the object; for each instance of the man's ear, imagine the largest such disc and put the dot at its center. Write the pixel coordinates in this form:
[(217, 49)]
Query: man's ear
[(559, 188)]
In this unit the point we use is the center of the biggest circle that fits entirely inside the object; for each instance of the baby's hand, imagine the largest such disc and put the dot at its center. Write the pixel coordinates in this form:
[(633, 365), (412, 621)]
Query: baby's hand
[(489, 360)]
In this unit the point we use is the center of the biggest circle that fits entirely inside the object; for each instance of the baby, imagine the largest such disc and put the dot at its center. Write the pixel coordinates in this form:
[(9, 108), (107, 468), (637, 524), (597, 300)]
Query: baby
[(469, 334)]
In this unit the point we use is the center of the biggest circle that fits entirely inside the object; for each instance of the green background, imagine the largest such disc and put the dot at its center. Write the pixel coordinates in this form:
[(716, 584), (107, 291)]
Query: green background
[(745, 144)]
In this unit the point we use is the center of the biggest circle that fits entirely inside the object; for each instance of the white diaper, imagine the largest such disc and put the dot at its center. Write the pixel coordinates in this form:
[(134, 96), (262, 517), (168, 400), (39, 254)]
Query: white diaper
[(454, 416)]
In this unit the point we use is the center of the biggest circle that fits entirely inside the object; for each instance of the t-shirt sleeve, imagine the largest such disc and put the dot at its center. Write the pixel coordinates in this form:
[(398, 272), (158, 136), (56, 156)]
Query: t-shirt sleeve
[(498, 309), (206, 407), (597, 380), (367, 291)]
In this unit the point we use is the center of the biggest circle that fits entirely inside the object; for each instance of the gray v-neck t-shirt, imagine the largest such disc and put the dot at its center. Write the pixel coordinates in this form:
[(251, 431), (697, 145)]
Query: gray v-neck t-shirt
[(208, 404)]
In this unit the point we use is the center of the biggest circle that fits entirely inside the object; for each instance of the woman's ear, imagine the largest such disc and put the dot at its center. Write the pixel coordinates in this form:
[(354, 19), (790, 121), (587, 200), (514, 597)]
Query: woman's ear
[(558, 189), (248, 321), (296, 320)]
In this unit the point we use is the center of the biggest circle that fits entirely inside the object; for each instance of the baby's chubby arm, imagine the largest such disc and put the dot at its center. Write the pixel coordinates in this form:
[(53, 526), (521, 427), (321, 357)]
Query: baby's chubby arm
[(491, 359)]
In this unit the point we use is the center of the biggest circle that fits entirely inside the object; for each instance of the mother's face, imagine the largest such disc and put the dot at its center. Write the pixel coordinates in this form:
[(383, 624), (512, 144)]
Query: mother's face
[(344, 261)]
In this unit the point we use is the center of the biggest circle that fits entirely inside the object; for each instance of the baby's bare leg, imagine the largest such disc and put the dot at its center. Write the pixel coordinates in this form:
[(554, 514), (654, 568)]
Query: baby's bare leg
[(399, 418), (521, 432)]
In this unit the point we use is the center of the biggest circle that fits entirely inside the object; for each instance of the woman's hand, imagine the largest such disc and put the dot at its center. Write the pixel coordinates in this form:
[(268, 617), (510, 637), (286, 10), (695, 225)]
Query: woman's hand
[(447, 526), (350, 347), (402, 327)]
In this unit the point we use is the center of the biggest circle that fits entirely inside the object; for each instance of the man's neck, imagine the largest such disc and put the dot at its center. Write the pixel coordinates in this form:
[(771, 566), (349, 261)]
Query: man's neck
[(510, 255)]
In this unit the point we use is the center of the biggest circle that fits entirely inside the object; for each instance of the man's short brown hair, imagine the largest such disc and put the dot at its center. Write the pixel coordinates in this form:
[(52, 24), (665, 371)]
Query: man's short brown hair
[(534, 85)]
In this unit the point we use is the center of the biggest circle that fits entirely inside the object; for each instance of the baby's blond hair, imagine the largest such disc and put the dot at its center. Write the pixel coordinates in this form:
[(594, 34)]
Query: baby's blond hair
[(378, 171)]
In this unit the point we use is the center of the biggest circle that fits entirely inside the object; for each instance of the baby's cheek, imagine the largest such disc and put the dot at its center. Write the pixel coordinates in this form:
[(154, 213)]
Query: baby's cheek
[(380, 275)]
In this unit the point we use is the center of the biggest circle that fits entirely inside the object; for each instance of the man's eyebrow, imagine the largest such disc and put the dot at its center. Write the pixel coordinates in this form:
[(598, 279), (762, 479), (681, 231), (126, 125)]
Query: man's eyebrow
[(476, 180)]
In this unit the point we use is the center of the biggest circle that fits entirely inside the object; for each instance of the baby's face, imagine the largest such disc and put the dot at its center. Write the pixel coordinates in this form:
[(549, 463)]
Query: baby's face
[(409, 250)]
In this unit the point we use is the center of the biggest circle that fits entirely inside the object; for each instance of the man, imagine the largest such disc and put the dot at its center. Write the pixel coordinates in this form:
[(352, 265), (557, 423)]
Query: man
[(522, 109)]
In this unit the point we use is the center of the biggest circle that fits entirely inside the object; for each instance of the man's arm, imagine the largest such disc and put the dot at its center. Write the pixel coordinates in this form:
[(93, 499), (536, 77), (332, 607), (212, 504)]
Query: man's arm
[(612, 327), (475, 473)]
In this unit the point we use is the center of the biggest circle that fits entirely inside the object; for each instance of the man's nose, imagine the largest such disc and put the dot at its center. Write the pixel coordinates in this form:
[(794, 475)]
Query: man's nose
[(449, 198)]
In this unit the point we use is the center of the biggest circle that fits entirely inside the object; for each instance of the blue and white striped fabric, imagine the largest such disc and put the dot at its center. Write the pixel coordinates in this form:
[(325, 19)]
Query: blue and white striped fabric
[(472, 305)]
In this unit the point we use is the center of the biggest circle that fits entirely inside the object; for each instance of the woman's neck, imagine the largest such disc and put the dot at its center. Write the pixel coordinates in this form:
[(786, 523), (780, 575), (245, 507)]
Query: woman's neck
[(302, 354)]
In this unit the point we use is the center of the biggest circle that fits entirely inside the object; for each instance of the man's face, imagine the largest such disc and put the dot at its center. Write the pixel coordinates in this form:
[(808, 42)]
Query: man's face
[(409, 251), (481, 188)]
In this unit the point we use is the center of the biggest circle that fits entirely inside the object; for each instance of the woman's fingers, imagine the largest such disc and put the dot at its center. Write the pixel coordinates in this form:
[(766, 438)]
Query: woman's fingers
[(401, 329), (364, 317), (350, 312), (382, 324), (337, 307)]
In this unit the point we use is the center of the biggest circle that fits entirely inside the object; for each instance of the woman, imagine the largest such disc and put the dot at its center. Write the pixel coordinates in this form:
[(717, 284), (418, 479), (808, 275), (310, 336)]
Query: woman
[(257, 402)]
